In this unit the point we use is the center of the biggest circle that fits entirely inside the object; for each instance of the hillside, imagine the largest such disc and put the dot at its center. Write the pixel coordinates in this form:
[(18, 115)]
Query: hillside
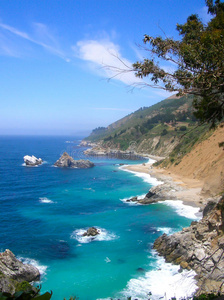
[(154, 130), (169, 129), (205, 162)]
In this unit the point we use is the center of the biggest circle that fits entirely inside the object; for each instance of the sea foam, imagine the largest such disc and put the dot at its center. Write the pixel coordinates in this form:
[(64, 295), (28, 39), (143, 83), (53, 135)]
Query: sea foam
[(163, 283), (45, 200), (42, 269), (184, 210), (103, 235), (139, 197), (146, 177)]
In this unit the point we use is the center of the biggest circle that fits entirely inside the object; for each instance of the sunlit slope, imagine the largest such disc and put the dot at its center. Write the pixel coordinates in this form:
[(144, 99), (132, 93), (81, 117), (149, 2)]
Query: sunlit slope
[(154, 130)]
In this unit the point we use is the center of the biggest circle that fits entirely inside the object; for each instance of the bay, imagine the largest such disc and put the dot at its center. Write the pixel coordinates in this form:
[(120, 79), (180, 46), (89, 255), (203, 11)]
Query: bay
[(45, 209)]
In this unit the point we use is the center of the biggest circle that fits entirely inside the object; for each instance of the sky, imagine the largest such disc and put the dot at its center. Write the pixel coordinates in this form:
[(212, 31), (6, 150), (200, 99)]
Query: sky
[(55, 54)]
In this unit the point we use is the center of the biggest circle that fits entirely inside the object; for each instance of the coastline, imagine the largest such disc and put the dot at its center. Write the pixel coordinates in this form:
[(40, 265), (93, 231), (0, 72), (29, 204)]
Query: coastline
[(175, 187)]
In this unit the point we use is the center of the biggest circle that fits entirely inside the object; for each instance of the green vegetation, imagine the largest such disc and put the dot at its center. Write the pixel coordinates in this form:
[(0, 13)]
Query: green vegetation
[(160, 119), (25, 294), (198, 57), (168, 128)]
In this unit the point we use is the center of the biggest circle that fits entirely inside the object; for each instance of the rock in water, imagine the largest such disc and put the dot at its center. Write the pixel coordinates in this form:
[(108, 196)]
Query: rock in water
[(32, 160), (13, 272), (66, 161), (92, 231)]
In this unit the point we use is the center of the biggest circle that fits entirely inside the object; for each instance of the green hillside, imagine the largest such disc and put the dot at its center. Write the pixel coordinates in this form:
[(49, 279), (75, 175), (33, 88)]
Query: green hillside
[(164, 129)]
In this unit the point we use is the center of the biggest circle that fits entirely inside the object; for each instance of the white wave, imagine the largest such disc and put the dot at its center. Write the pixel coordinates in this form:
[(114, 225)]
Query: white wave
[(89, 189), (42, 269), (167, 230), (103, 235), (163, 283), (29, 166), (146, 177), (45, 200), (183, 210), (107, 260), (139, 197)]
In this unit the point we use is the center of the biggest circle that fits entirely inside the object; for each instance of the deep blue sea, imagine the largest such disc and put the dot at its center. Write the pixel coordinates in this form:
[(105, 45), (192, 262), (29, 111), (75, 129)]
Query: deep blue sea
[(45, 209)]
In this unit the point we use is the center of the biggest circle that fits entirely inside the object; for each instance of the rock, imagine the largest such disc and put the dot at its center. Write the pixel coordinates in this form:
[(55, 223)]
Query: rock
[(141, 270), (184, 265), (149, 194), (13, 272), (210, 205), (66, 161), (199, 247), (199, 253), (133, 199), (32, 160), (92, 231)]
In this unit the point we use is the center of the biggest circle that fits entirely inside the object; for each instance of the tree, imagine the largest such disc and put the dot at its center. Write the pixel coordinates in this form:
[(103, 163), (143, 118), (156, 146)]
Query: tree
[(199, 60)]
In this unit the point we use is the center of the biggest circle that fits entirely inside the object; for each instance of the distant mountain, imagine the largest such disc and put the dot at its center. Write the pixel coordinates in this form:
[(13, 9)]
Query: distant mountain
[(154, 130)]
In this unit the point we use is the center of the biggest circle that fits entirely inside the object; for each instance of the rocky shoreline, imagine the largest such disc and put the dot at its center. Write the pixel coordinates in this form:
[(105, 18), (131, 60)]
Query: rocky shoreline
[(14, 275), (199, 247)]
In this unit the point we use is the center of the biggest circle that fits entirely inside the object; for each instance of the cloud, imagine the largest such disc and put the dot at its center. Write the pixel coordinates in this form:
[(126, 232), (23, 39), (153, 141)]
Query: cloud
[(106, 58), (203, 14), (41, 37)]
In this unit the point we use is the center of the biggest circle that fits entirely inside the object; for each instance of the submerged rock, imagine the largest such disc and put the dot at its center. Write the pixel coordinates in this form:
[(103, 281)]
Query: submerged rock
[(32, 160), (92, 231), (13, 272), (66, 161)]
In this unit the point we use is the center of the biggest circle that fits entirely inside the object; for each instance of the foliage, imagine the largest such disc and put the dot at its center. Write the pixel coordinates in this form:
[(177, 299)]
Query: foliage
[(183, 128), (198, 57), (25, 295)]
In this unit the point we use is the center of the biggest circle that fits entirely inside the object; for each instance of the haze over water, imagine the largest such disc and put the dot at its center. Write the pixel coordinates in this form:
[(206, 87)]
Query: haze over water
[(45, 210)]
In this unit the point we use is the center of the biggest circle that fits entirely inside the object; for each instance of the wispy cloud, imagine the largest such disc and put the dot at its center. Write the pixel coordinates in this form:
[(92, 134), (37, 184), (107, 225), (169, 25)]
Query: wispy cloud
[(106, 58), (203, 14), (41, 37)]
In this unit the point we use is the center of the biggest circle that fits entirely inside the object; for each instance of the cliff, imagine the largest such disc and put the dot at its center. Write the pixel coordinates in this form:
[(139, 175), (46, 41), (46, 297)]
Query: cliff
[(199, 247), (205, 162), (14, 275)]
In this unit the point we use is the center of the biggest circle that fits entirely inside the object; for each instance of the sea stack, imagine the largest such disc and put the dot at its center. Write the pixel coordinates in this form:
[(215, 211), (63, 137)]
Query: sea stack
[(32, 160), (66, 161)]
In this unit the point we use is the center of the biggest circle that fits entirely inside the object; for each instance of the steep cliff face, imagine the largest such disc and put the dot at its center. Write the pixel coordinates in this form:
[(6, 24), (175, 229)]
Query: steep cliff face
[(199, 247), (205, 162), (158, 145)]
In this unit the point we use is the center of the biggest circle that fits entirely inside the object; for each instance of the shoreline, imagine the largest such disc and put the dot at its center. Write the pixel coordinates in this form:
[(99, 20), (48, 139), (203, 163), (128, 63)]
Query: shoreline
[(174, 187)]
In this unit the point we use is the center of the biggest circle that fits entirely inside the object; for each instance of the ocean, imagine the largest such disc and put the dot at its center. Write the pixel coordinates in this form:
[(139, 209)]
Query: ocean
[(45, 210)]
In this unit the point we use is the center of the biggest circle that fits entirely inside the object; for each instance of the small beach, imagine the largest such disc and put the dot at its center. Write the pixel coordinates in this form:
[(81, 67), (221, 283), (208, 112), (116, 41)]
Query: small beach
[(182, 188)]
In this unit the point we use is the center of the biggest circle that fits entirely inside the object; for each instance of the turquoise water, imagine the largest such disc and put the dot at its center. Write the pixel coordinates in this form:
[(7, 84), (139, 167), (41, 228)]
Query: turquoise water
[(45, 209)]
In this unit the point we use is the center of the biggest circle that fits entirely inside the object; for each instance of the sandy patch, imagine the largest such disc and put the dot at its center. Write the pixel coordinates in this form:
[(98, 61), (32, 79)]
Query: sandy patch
[(186, 189)]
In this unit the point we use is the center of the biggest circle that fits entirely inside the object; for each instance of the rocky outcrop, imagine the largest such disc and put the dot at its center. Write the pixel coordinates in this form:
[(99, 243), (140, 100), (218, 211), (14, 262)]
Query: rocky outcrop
[(199, 247), (158, 193), (66, 161), (13, 272), (92, 231), (32, 160)]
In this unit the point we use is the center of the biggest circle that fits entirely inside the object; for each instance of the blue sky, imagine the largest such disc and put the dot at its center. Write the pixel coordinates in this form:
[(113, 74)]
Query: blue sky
[(53, 55)]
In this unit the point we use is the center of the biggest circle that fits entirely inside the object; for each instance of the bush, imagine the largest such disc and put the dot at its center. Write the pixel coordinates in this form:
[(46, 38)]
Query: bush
[(183, 128), (164, 132)]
